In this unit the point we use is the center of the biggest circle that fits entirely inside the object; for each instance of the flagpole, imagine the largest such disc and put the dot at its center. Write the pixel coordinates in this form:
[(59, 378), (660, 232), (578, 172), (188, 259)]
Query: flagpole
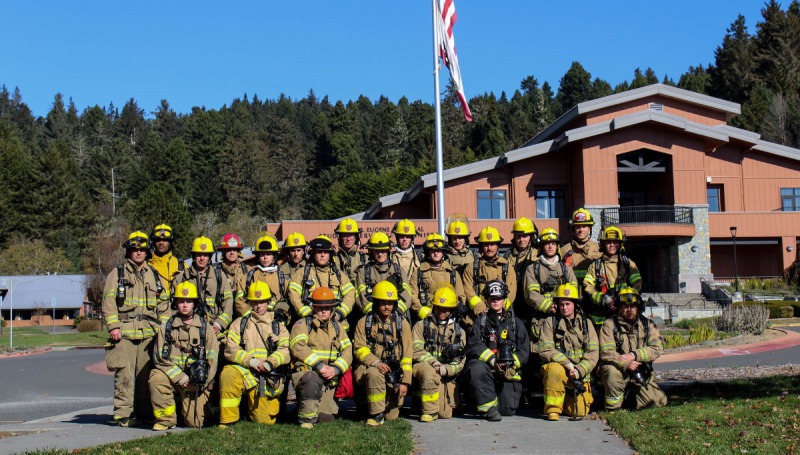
[(438, 105)]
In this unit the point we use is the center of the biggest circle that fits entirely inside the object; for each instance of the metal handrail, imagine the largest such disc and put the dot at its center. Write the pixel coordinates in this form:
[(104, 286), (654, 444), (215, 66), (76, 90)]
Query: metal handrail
[(647, 214)]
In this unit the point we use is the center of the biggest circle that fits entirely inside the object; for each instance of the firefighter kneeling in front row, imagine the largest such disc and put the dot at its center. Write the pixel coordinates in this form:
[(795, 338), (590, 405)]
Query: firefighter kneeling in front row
[(322, 353), (569, 350), (383, 347), (258, 348), (185, 362), (498, 346), (439, 343), (629, 344)]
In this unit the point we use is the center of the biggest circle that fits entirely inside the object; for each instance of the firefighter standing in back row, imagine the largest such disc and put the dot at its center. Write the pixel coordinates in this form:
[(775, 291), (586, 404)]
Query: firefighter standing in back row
[(404, 253), (349, 256), (459, 254), (383, 348), (582, 250), (608, 276), (439, 347), (230, 246), (380, 268), (135, 304), (215, 293), (490, 266), (523, 253), (163, 260), (267, 271), (294, 250), (257, 348), (184, 363), (433, 274)]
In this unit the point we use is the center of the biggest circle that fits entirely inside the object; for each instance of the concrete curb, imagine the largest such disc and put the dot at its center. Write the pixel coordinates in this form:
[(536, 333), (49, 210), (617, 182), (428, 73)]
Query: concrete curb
[(788, 340), (25, 353)]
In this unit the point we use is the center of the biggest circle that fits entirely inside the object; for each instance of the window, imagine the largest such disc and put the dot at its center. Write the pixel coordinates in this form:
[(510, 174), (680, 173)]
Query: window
[(550, 204), (492, 204), (790, 199), (716, 202)]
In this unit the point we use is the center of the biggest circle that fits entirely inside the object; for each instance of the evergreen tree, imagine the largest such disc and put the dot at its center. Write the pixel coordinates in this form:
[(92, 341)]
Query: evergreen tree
[(696, 79), (733, 72), (575, 87)]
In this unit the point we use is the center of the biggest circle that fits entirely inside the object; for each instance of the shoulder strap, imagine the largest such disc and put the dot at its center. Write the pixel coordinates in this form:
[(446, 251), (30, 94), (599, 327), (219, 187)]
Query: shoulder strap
[(159, 286), (218, 297), (121, 284), (452, 277), (423, 287), (505, 271), (181, 266), (537, 267), (564, 271), (243, 266), (168, 337), (242, 326), (368, 280), (304, 297), (475, 267), (249, 280), (276, 328), (308, 323), (281, 282)]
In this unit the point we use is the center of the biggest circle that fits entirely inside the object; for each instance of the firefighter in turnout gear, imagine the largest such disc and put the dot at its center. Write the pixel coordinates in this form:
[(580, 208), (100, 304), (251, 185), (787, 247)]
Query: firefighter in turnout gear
[(379, 268), (318, 272), (257, 348), (523, 253), (135, 304), (497, 348), (609, 275), (383, 348), (542, 279), (266, 271), (434, 273), (349, 256), (490, 266), (322, 353), (404, 253), (569, 351), (582, 250), (294, 249), (629, 344), (439, 344), (185, 363), (459, 254), (230, 246), (166, 264), (215, 295)]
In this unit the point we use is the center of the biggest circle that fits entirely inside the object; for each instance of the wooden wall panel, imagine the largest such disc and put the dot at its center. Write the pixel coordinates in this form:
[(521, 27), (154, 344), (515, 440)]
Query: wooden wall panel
[(698, 114)]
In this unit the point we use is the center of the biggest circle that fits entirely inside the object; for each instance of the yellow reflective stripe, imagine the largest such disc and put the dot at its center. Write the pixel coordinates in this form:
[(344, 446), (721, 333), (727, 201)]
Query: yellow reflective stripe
[(230, 402), (428, 397), (234, 337), (168, 411), (311, 360), (281, 359), (377, 397), (534, 287), (584, 364), (642, 355), (613, 400), (304, 311), (485, 407), (368, 307), (112, 319), (345, 344), (307, 415), (554, 401), (325, 354), (174, 372), (402, 306), (474, 301), (361, 289), (486, 355), (588, 279), (239, 357), (544, 307), (425, 358), (405, 364), (547, 345), (418, 344), (608, 346), (635, 277), (591, 346), (341, 364), (224, 318), (346, 289), (297, 339), (517, 363), (164, 317), (361, 353), (296, 287), (559, 357)]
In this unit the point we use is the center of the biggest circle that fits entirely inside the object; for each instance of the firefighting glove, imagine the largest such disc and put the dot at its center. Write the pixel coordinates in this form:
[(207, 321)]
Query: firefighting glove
[(607, 301), (254, 363), (281, 316), (442, 370)]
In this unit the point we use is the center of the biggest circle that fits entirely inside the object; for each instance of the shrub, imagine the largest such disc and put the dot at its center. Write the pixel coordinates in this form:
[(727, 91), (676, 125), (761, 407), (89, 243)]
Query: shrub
[(695, 322), (786, 311), (674, 340), (90, 325), (751, 318), (700, 334), (77, 321)]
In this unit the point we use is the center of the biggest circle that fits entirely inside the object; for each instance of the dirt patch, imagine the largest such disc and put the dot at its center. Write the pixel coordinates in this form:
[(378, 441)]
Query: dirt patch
[(11, 434), (769, 334), (718, 374)]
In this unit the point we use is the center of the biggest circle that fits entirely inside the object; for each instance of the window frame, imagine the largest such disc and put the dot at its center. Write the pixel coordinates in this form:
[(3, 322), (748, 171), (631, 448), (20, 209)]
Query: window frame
[(794, 198), (720, 197), (491, 199), (552, 206)]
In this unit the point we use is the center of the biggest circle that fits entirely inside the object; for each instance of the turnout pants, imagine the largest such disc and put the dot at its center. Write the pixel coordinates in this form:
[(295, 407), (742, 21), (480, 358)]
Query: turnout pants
[(491, 389), (438, 396), (380, 398), (556, 396), (231, 391), (130, 361), (162, 395), (313, 396), (616, 384)]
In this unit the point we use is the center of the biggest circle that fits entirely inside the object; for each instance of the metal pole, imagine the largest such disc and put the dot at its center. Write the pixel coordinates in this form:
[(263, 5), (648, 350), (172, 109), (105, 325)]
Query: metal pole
[(438, 105), (735, 267), (11, 314), (53, 304)]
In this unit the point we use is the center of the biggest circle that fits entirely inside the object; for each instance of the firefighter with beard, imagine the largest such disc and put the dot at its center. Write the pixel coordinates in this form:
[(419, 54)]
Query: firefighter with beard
[(349, 256), (380, 268), (294, 249), (404, 253), (582, 250), (434, 272), (523, 253), (490, 266)]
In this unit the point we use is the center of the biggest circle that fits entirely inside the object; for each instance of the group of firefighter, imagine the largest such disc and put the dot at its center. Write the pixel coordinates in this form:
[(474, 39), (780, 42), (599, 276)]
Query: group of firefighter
[(202, 342)]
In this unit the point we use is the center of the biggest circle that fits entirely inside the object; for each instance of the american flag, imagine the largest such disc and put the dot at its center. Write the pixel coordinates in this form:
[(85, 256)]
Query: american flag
[(446, 19)]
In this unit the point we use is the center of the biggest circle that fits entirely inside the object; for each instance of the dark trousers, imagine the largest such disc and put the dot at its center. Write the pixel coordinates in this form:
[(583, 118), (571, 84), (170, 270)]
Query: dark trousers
[(491, 389)]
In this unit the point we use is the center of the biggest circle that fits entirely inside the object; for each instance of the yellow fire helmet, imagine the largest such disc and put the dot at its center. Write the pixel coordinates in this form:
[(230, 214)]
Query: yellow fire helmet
[(385, 290), (567, 291), (457, 228), (162, 232), (434, 242), (524, 226), (445, 297), (405, 227), (549, 235), (265, 244), (203, 245), (489, 235), (186, 290), (258, 292), (581, 217), (612, 233), (137, 240), (379, 241), (295, 240), (347, 226), (628, 296)]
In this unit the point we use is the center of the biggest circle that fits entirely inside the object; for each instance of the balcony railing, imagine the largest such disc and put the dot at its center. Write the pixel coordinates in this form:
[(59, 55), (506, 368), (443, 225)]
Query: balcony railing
[(647, 214)]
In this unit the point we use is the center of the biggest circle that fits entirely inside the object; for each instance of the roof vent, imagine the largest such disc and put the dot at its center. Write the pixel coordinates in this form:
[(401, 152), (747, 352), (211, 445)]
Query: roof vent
[(656, 107)]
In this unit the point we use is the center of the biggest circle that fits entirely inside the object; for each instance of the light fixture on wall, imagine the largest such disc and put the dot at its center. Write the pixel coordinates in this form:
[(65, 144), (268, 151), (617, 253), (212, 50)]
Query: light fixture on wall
[(694, 248), (790, 248)]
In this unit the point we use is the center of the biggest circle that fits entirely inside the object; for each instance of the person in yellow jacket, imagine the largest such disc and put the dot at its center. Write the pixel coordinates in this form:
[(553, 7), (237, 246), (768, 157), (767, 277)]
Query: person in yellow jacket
[(439, 344), (294, 250), (184, 363), (404, 253), (523, 252), (434, 272), (163, 260), (231, 266), (489, 266), (257, 348), (266, 270), (349, 256), (379, 268), (320, 271), (629, 344), (569, 351), (582, 250), (322, 353), (609, 275), (135, 304), (215, 293), (383, 348)]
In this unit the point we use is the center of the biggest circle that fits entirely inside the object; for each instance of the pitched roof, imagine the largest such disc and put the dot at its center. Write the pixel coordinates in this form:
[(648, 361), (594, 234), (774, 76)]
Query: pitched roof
[(28, 292)]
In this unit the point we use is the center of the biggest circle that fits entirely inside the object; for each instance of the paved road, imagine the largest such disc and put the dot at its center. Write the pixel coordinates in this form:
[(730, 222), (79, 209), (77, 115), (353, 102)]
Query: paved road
[(39, 386)]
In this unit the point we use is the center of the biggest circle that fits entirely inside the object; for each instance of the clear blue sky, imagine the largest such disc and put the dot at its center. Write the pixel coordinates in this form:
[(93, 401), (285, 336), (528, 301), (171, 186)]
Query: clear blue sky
[(207, 53)]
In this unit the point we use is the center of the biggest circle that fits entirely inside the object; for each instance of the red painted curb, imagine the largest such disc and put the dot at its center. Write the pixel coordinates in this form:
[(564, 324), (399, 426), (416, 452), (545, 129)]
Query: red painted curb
[(99, 368), (789, 340)]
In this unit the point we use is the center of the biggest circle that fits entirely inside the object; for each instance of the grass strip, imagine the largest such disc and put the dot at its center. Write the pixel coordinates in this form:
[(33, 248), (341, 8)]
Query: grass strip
[(34, 337)]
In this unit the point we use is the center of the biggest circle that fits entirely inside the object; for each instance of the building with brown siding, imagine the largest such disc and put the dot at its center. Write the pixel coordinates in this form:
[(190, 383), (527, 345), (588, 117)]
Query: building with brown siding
[(660, 162)]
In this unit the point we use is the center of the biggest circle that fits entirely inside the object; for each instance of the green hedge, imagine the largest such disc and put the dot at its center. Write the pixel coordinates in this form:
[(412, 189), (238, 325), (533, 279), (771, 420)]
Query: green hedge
[(774, 307)]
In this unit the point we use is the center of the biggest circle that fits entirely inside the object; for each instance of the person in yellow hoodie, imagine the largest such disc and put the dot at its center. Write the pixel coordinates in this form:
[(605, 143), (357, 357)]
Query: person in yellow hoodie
[(163, 260)]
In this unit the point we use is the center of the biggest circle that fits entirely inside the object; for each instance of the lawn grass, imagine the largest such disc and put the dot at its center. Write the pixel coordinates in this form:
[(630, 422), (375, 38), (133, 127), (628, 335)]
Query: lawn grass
[(340, 437), (742, 416), (34, 337)]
